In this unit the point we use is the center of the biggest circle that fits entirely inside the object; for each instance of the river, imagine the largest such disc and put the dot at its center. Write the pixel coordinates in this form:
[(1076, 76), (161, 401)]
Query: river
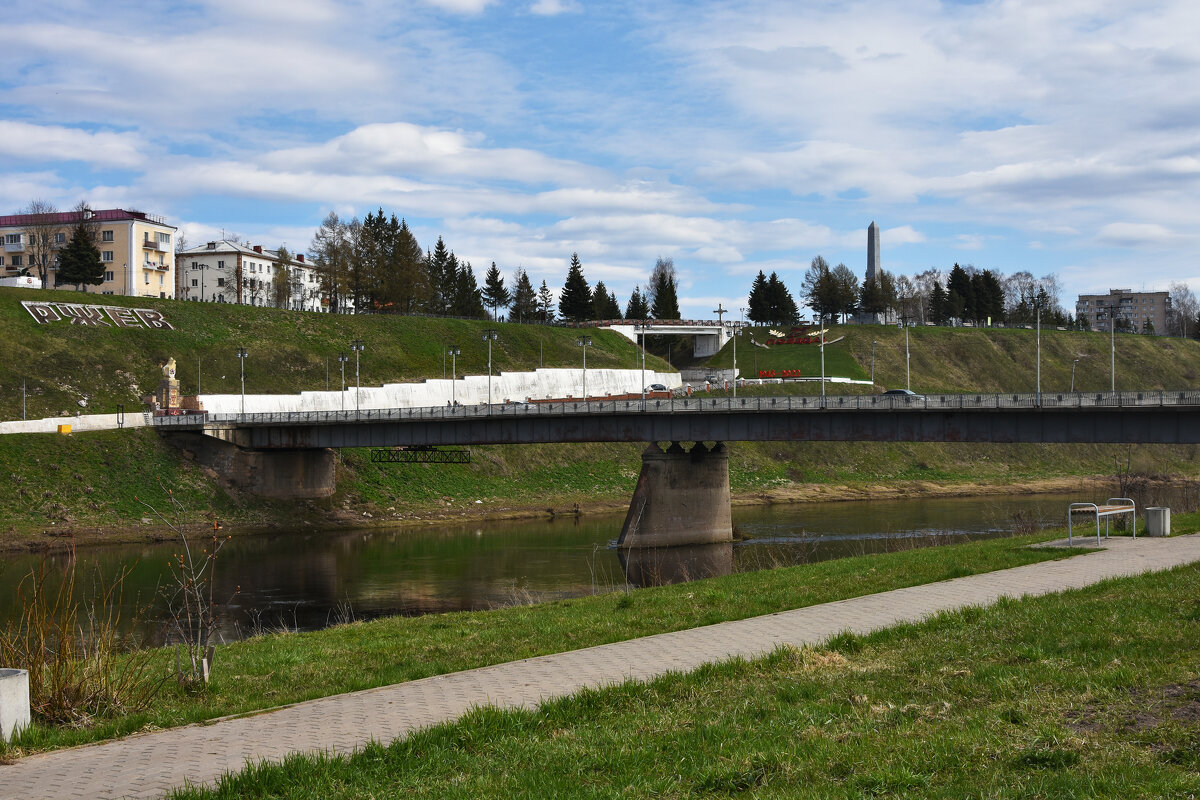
[(308, 579)]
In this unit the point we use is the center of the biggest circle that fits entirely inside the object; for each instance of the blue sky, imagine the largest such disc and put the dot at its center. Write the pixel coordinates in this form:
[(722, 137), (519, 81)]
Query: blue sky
[(1055, 137)]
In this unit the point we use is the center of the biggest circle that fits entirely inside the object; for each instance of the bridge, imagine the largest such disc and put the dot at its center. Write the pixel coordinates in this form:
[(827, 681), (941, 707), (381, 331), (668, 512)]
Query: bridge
[(708, 336), (290, 455)]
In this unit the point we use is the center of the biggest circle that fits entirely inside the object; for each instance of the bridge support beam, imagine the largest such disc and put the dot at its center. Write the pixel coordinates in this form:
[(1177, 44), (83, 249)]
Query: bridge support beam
[(682, 498), (300, 474)]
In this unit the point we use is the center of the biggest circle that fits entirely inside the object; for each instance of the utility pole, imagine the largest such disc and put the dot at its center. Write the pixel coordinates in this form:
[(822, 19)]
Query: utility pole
[(453, 351), (907, 361), (584, 342), (821, 325), (1112, 346), (873, 343), (1039, 355)]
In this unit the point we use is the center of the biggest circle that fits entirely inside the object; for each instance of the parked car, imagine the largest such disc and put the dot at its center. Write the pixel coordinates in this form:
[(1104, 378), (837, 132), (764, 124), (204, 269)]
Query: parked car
[(656, 387), (904, 393)]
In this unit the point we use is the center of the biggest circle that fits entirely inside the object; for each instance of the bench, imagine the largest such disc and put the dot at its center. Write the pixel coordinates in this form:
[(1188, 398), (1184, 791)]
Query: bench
[(1113, 506)]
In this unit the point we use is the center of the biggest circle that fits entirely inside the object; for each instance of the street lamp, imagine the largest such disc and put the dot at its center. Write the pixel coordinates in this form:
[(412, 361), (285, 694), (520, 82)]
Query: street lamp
[(342, 359), (357, 346), (454, 352), (1039, 355), (1073, 363), (642, 327), (242, 354), (821, 325), (1112, 346), (490, 336), (873, 343), (907, 362), (585, 342)]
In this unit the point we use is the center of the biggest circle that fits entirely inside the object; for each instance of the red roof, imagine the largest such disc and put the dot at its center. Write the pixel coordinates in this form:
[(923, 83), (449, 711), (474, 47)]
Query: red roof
[(71, 217)]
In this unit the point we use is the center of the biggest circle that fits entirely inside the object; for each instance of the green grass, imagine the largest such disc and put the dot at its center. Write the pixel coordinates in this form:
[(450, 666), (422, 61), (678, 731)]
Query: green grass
[(63, 364), (1091, 693), (272, 670)]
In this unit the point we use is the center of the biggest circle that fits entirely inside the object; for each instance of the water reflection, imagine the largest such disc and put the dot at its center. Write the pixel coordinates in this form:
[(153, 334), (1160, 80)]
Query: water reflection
[(667, 565), (306, 579)]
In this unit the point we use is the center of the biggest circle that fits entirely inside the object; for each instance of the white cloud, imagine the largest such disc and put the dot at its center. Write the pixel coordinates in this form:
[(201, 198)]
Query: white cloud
[(550, 8), (461, 6), (58, 143)]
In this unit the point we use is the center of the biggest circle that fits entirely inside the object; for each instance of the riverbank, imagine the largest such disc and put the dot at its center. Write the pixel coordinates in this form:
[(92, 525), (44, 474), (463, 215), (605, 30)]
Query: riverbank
[(55, 537)]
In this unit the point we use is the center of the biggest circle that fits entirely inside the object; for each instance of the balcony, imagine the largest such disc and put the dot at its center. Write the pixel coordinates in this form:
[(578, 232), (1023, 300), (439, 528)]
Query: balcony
[(156, 266), (162, 247), (14, 247)]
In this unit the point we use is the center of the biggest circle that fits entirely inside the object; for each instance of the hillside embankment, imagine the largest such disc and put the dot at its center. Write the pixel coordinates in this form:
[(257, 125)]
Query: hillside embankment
[(94, 486)]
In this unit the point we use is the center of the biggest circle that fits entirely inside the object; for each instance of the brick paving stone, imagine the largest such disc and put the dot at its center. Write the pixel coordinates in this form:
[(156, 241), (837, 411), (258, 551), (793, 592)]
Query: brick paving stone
[(150, 764)]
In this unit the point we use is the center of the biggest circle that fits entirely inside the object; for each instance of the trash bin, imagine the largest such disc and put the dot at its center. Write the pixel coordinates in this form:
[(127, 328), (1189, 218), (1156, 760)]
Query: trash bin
[(14, 702), (1158, 521)]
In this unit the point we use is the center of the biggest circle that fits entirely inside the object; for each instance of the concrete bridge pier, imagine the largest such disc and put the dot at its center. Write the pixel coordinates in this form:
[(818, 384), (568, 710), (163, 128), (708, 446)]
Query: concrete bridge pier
[(286, 474), (682, 498)]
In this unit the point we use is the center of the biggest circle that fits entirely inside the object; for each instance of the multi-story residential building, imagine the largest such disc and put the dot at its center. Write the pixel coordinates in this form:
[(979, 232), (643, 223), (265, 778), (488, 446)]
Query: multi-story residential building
[(1127, 308), (135, 247), (232, 272)]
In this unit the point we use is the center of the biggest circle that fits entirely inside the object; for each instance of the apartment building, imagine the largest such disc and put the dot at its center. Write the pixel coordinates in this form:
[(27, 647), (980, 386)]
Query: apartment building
[(233, 272), (136, 248), (1129, 309)]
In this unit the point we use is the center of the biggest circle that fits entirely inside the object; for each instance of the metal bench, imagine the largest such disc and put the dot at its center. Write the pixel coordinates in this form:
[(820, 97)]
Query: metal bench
[(1112, 507)]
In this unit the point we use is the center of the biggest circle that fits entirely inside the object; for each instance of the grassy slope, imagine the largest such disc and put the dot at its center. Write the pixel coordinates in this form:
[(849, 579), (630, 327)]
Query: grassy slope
[(1091, 693), (63, 364)]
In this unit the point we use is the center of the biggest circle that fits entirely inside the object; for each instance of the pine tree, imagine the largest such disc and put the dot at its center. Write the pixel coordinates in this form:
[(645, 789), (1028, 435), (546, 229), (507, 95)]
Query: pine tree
[(524, 299), (780, 306), (938, 311), (604, 303), (637, 307), (664, 303), (494, 292), (575, 300), (958, 293), (437, 266), (468, 300), (757, 299), (79, 262), (545, 303)]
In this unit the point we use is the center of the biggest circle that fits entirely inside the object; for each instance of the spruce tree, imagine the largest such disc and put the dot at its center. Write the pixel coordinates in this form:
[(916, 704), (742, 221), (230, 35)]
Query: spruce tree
[(545, 303), (438, 264), (524, 299), (637, 307), (664, 290), (604, 303), (938, 311), (575, 300), (79, 262), (757, 299), (494, 292), (468, 300)]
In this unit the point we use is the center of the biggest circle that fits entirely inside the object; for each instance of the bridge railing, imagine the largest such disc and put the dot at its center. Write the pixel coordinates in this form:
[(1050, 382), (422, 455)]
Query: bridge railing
[(684, 405)]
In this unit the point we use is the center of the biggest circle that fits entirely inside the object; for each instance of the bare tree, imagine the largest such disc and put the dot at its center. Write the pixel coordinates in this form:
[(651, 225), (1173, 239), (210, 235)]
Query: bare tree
[(1181, 318), (44, 233)]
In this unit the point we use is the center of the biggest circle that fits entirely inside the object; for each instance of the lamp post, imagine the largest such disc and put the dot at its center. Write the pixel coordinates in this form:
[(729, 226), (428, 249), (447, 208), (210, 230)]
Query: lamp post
[(873, 343), (907, 361), (490, 336), (242, 353), (1039, 355), (642, 327), (454, 351), (342, 359), (357, 346), (1112, 346), (821, 325), (1073, 363), (585, 342)]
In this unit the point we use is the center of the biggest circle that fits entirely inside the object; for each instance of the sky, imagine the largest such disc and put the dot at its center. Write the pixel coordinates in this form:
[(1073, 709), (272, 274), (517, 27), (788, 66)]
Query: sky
[(731, 137)]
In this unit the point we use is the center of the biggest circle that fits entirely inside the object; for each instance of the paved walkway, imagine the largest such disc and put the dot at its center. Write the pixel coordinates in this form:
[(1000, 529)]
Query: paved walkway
[(147, 765)]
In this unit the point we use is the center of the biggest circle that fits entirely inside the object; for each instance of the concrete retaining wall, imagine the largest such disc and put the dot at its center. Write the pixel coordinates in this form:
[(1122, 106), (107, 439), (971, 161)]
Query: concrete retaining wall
[(84, 422), (467, 390)]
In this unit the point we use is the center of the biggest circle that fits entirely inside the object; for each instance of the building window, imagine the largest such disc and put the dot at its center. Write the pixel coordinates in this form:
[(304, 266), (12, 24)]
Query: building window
[(108, 276), (106, 236), (195, 283), (221, 282), (60, 238), (16, 261), (160, 279), (164, 238), (1, 261), (107, 255), (12, 238), (147, 277), (220, 265)]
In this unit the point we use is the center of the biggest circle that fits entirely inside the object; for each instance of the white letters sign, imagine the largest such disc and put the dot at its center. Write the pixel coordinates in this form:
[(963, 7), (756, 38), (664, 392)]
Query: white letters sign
[(100, 316)]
